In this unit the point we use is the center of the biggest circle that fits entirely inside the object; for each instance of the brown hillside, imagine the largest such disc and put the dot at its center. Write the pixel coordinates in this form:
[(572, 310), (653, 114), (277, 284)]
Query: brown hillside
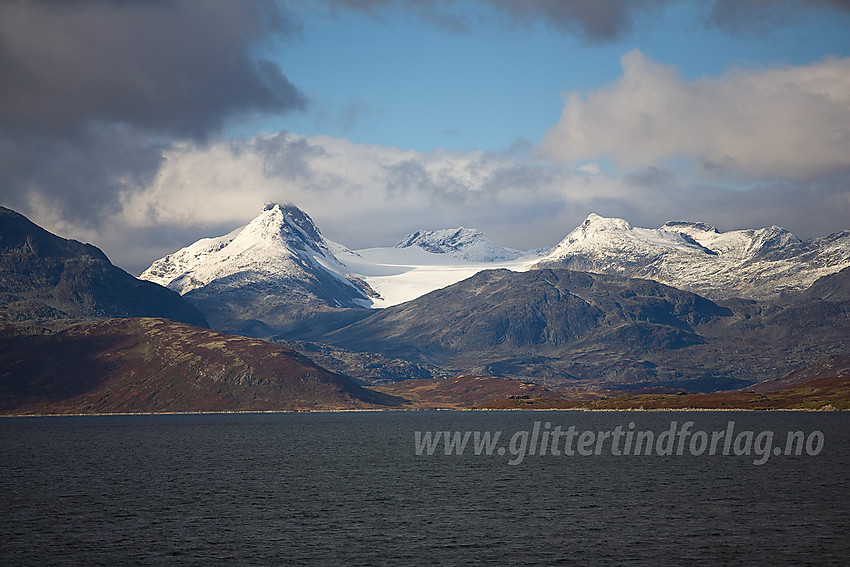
[(157, 365)]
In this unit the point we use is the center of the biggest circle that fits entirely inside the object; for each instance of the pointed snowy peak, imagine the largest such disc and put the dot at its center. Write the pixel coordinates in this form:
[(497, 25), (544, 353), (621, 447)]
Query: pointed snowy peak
[(286, 223), (465, 243), (281, 241)]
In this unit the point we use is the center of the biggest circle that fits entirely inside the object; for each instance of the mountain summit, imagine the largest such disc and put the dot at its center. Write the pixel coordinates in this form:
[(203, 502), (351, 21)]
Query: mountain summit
[(754, 263), (278, 268), (282, 240)]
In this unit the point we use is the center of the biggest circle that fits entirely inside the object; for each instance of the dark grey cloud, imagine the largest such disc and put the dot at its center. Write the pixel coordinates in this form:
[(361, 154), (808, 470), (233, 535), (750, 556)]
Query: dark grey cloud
[(606, 20), (80, 177), (178, 67), (808, 209), (599, 21), (592, 20), (93, 91), (759, 16)]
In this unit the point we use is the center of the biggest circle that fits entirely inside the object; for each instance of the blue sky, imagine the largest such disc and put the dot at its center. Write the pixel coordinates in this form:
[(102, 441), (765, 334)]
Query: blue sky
[(395, 79), (144, 126)]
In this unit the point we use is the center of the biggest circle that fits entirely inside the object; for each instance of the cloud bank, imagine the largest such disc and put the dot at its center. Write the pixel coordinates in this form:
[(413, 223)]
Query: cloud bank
[(600, 21), (92, 92), (176, 67), (781, 123)]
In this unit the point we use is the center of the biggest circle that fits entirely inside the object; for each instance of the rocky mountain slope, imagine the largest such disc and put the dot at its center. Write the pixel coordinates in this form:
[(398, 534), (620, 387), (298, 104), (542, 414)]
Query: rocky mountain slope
[(755, 264), (594, 331), (539, 324), (156, 365), (44, 276)]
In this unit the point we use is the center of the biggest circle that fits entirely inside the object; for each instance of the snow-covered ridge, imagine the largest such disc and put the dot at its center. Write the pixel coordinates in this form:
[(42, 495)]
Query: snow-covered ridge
[(753, 263), (464, 243)]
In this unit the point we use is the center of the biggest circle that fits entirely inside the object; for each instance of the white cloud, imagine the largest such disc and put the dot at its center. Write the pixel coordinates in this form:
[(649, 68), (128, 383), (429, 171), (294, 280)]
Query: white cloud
[(361, 194), (365, 195), (788, 123)]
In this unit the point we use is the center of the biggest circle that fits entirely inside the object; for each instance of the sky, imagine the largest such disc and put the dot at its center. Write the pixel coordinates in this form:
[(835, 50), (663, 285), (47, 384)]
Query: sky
[(142, 126)]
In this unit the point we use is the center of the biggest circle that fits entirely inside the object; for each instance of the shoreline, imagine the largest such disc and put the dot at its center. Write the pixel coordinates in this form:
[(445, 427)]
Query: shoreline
[(418, 410)]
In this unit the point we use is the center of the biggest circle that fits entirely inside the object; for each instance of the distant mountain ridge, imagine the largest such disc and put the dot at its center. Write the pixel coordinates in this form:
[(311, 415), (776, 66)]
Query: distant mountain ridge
[(556, 325), (465, 243), (765, 263), (583, 330), (44, 276)]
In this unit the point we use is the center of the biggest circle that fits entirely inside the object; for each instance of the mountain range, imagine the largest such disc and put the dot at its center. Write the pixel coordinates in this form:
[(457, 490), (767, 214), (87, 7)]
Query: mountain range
[(713, 310), (683, 305), (280, 277)]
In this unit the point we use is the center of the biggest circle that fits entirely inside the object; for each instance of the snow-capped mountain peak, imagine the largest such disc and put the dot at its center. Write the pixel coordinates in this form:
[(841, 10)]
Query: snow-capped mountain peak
[(463, 243), (599, 235), (595, 224), (287, 225), (755, 263), (282, 241)]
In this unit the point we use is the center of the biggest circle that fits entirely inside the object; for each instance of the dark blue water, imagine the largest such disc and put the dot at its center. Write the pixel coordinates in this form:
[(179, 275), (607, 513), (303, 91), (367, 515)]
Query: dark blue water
[(348, 489)]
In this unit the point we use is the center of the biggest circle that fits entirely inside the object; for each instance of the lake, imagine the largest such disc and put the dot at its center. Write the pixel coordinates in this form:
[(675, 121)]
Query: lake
[(350, 489)]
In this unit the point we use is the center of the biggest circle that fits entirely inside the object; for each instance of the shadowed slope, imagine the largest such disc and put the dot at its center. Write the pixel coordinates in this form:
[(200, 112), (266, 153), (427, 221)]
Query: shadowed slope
[(155, 365)]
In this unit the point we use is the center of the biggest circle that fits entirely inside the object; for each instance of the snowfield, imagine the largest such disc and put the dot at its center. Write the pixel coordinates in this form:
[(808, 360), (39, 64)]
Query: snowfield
[(403, 274)]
